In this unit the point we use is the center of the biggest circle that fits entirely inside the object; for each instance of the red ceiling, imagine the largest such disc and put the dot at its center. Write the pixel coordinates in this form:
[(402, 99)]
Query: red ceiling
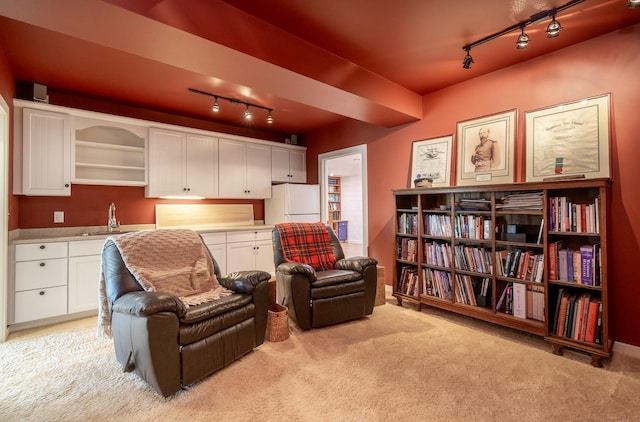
[(314, 62)]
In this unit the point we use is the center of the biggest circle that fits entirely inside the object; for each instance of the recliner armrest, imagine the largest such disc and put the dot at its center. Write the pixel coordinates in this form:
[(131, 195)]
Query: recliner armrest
[(244, 281), (148, 303), (356, 263), (289, 268)]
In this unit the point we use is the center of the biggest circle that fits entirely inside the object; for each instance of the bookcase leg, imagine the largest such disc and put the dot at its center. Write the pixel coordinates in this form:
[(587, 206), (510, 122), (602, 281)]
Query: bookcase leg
[(596, 361), (557, 349), (399, 300)]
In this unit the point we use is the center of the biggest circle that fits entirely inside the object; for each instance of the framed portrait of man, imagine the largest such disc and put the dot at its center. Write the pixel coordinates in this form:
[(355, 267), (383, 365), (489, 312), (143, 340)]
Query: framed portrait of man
[(486, 149)]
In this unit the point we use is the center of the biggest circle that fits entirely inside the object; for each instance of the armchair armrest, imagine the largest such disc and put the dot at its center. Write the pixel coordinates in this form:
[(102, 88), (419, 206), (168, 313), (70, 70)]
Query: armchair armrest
[(147, 303), (244, 281), (290, 268), (356, 263)]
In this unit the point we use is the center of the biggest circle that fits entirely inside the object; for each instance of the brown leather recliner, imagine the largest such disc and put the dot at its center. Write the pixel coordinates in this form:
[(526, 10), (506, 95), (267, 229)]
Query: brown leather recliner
[(319, 298), (171, 346)]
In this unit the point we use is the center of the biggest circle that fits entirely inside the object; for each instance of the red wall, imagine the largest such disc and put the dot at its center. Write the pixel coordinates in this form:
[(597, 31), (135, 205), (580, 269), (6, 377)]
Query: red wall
[(608, 64)]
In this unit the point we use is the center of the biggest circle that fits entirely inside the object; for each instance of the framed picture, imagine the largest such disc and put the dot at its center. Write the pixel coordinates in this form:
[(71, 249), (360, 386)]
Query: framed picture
[(568, 140), (486, 149), (431, 158)]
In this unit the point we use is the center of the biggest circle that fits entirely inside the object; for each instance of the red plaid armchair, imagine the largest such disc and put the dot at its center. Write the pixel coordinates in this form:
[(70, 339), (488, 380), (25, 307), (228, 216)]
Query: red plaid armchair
[(315, 281)]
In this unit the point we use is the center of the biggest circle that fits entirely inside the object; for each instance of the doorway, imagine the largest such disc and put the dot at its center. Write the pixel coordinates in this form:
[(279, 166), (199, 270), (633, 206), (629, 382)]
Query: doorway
[(4, 213), (350, 166)]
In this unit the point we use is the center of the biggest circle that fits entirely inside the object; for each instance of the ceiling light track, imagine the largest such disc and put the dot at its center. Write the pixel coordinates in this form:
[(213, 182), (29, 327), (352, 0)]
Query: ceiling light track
[(553, 31), (247, 113)]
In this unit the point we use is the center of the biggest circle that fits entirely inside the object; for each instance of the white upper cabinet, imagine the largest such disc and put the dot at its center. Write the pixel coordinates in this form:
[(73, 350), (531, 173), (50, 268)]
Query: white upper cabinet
[(288, 165), (245, 169), (108, 153), (182, 164), (44, 154)]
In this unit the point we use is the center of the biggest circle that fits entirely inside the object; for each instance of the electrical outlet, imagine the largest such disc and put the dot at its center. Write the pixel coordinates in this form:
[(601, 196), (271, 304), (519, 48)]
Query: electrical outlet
[(58, 216)]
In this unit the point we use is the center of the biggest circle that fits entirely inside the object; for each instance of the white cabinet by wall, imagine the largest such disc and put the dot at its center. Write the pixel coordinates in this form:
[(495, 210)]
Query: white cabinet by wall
[(250, 250), (245, 169), (108, 153), (288, 165), (84, 274), (44, 154), (216, 242), (182, 164), (40, 281)]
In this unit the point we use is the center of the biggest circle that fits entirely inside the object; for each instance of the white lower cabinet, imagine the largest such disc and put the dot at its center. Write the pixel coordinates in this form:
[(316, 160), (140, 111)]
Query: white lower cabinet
[(216, 242), (250, 250), (84, 275), (40, 281)]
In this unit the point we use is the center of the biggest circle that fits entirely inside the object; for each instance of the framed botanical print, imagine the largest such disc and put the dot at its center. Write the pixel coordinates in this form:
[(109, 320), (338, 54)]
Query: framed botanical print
[(568, 140), (431, 159), (485, 150)]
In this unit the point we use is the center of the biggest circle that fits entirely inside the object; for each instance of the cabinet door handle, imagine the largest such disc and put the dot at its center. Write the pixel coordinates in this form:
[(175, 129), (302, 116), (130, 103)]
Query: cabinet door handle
[(42, 264), (41, 293), (42, 246)]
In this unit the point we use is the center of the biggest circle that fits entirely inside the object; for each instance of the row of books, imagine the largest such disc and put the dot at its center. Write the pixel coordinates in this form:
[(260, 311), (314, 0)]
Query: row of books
[(468, 288), (472, 227), (408, 223), (580, 266), (567, 216), (437, 225), (436, 283), (407, 249), (437, 253), (408, 282), (335, 206), (523, 264), (470, 258), (522, 301), (578, 316)]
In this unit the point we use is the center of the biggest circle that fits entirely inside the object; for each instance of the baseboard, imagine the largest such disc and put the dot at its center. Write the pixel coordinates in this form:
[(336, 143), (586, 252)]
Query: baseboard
[(626, 349)]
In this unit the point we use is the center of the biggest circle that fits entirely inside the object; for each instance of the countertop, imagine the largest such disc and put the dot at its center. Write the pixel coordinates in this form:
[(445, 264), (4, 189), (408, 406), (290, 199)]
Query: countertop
[(66, 234)]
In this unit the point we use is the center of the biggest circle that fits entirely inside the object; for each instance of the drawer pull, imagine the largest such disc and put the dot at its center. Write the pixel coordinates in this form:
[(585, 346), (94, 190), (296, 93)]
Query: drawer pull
[(42, 246), (42, 264), (42, 293)]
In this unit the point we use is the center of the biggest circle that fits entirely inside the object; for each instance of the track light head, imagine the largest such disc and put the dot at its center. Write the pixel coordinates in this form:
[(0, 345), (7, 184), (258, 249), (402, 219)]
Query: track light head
[(553, 30), (269, 117), (247, 113), (632, 4), (523, 40), (468, 60), (216, 106)]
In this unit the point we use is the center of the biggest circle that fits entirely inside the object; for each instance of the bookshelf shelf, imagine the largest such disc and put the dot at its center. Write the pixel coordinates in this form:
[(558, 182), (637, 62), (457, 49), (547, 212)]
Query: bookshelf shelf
[(505, 254)]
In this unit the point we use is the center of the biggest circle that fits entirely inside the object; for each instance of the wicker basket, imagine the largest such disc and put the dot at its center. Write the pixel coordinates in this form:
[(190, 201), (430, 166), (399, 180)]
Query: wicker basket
[(277, 322)]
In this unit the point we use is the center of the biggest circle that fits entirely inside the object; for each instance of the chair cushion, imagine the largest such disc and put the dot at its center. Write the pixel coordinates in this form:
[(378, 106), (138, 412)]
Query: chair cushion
[(215, 307), (307, 243), (332, 283)]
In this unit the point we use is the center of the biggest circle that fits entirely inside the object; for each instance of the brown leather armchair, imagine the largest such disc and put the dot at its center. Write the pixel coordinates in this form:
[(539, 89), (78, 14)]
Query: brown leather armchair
[(171, 346), (319, 298)]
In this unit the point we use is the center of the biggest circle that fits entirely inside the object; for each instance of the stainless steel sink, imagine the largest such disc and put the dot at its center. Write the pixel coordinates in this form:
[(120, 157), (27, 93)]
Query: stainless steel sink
[(103, 233)]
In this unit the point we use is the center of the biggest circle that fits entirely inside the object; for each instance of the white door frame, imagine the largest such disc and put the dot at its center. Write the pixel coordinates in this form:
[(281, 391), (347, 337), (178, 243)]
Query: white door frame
[(4, 214), (323, 178)]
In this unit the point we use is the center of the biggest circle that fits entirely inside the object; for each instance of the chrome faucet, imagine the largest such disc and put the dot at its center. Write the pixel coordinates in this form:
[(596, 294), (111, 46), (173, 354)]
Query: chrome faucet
[(112, 223)]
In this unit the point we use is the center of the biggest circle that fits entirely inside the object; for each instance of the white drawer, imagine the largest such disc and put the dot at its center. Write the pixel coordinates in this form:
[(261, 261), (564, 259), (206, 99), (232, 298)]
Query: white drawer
[(34, 251), (41, 274), (214, 238), (248, 235), (86, 247), (40, 303)]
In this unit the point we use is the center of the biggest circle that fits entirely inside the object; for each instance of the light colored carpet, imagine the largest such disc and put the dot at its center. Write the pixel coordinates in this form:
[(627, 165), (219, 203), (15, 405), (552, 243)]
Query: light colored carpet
[(398, 364)]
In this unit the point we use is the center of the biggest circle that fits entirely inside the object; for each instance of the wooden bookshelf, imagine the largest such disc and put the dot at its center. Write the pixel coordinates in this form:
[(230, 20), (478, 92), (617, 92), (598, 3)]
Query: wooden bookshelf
[(334, 202), (487, 252)]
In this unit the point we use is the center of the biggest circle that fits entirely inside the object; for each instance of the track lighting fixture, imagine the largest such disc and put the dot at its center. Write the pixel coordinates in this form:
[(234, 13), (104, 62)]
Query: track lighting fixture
[(247, 113), (523, 40), (632, 4), (553, 29), (468, 60)]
